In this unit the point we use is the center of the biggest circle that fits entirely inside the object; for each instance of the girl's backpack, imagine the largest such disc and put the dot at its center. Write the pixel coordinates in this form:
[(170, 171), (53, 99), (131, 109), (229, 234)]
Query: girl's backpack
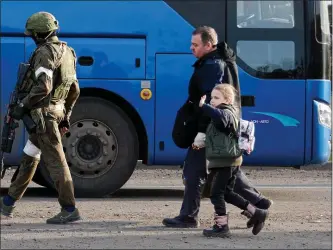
[(246, 138), (245, 134)]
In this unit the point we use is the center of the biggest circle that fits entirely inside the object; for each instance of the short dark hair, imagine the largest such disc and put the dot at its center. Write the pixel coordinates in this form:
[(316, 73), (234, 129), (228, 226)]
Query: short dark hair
[(208, 34)]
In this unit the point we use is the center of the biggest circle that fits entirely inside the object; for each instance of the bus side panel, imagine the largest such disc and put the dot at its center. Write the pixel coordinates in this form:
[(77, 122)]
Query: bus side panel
[(318, 137), (130, 90), (109, 19), (12, 54), (112, 58), (279, 117), (173, 72)]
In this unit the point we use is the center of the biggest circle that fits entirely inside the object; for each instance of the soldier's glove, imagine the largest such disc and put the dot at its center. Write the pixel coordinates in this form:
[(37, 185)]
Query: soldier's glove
[(18, 111), (64, 124)]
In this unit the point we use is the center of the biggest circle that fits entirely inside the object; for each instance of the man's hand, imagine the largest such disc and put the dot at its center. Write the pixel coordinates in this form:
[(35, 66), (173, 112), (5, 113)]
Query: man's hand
[(202, 101), (199, 141), (64, 127), (18, 111)]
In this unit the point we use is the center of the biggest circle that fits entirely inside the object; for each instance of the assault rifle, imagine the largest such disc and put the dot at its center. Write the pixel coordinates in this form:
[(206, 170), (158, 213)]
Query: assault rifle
[(10, 124)]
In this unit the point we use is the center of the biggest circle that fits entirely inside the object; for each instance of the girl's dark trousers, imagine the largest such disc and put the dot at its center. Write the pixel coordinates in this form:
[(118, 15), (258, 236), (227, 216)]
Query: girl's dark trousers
[(222, 190)]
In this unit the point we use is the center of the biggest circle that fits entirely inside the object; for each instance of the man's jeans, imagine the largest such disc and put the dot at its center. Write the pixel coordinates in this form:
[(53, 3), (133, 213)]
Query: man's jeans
[(195, 173)]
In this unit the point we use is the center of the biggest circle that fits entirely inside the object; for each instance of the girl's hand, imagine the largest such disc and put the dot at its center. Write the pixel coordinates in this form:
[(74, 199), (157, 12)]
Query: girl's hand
[(202, 101)]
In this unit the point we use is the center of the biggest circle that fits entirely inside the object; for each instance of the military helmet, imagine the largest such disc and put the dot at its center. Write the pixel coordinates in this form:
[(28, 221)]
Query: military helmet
[(41, 22)]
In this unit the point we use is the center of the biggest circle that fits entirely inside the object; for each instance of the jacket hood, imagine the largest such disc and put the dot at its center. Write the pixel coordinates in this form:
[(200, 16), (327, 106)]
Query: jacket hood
[(222, 51), (225, 52)]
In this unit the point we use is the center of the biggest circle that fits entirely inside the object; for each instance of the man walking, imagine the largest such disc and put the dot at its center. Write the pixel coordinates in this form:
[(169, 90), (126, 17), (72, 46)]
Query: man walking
[(209, 70)]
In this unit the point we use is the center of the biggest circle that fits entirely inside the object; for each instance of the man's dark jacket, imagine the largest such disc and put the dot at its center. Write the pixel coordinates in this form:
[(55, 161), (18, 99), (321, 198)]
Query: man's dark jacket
[(218, 66)]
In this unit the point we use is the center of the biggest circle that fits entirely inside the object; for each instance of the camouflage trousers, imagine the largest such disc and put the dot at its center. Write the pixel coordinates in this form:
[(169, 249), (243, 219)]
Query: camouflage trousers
[(49, 146)]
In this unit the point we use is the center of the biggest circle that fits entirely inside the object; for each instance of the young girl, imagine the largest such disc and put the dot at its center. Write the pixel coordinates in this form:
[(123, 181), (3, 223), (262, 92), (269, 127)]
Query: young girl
[(224, 159)]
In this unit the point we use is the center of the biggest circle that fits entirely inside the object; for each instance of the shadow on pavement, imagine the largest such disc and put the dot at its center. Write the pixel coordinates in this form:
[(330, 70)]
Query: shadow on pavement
[(122, 193)]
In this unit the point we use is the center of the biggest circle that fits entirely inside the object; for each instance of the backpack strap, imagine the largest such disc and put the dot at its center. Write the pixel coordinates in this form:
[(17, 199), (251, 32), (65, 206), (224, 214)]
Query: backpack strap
[(236, 122)]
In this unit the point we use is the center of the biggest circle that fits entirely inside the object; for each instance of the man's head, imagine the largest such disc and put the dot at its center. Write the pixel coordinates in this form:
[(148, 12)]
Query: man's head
[(204, 40), (41, 25)]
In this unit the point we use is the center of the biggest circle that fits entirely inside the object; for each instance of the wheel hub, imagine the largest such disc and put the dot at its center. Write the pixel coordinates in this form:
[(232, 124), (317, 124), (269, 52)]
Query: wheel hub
[(91, 148)]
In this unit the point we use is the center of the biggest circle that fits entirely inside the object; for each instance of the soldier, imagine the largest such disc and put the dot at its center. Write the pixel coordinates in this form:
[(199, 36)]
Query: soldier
[(51, 89)]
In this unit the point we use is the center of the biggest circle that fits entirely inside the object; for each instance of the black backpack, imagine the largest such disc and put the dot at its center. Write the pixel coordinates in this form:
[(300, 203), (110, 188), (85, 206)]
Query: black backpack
[(185, 126)]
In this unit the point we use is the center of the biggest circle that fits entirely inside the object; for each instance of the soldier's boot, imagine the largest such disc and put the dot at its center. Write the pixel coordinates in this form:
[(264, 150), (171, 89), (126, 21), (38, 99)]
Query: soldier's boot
[(258, 218), (181, 222), (264, 203), (219, 229), (64, 217), (5, 210)]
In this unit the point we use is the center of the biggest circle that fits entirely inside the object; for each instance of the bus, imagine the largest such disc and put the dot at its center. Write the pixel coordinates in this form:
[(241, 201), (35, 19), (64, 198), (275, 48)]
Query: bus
[(134, 63)]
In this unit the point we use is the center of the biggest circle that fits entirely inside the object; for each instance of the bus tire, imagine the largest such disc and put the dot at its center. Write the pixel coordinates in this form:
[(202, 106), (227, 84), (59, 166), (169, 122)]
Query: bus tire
[(101, 148)]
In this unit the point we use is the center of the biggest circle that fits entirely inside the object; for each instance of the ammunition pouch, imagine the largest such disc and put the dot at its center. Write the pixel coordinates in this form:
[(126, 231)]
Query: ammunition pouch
[(29, 124), (38, 118)]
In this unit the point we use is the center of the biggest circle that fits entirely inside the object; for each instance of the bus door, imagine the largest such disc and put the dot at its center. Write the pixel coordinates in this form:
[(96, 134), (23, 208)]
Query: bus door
[(269, 39), (174, 70)]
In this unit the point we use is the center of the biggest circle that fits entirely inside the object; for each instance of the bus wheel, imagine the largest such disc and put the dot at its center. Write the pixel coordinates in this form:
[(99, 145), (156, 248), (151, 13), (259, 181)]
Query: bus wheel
[(101, 148)]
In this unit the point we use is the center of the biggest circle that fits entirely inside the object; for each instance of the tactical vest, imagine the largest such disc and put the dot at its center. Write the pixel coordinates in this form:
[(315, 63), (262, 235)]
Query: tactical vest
[(63, 75), (29, 78), (221, 144)]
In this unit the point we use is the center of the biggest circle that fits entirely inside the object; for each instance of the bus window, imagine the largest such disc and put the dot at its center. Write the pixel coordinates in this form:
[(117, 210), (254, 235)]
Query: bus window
[(265, 14), (267, 56), (323, 14)]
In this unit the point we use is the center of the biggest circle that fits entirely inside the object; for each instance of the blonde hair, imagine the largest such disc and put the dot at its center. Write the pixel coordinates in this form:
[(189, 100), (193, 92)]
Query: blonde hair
[(227, 91)]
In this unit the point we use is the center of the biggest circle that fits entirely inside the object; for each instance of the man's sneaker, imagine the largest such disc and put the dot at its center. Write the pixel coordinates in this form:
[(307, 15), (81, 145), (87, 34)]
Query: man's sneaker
[(257, 220), (181, 222), (264, 203), (6, 210), (65, 217)]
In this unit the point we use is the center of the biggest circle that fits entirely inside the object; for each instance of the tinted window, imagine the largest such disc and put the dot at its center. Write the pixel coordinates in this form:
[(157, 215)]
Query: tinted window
[(267, 56), (265, 14), (323, 14)]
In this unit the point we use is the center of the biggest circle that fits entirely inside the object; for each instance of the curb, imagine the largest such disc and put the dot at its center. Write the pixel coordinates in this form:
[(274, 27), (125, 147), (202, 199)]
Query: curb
[(318, 167), (325, 166)]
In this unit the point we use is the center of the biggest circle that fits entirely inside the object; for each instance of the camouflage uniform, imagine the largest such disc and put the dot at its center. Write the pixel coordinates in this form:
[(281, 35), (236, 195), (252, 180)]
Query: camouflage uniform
[(52, 90)]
